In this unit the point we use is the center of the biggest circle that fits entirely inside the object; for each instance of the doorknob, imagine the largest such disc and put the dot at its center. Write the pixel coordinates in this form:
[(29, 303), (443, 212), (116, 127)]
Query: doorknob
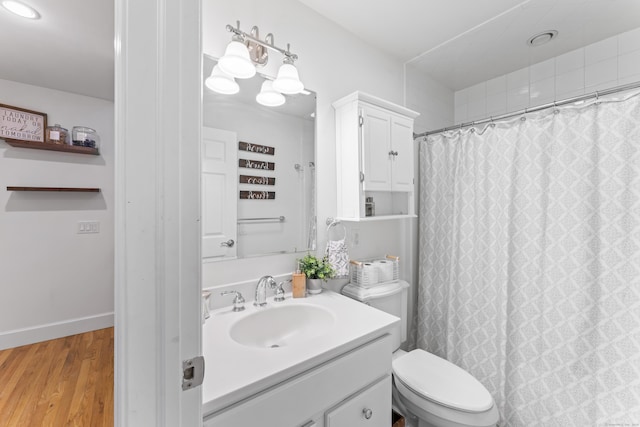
[(229, 243)]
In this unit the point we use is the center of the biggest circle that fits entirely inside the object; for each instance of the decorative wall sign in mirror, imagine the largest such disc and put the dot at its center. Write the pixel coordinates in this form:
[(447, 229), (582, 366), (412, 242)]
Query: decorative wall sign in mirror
[(260, 162)]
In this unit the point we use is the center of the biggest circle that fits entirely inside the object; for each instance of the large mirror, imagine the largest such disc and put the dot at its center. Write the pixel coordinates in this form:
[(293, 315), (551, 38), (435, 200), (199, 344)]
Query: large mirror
[(260, 161)]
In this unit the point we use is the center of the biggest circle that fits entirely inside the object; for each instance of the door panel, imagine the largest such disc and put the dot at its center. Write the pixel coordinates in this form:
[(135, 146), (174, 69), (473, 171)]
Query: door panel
[(402, 163), (219, 192), (376, 147)]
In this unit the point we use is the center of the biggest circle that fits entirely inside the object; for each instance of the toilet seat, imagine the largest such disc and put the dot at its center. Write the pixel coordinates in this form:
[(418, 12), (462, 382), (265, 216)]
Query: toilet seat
[(439, 381)]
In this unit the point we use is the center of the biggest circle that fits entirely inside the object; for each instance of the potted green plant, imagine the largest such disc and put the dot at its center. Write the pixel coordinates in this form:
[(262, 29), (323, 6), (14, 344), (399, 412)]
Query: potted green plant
[(317, 270)]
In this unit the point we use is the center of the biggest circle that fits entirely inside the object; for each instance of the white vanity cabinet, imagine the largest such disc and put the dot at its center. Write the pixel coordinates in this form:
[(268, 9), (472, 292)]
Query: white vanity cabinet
[(351, 389), (374, 156), (370, 407)]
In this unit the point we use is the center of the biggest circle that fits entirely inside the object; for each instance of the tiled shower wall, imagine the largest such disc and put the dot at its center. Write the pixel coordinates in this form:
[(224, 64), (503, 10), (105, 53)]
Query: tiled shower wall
[(608, 63)]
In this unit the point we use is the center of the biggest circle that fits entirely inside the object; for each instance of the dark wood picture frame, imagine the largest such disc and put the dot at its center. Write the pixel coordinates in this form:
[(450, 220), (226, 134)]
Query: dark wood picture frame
[(32, 131)]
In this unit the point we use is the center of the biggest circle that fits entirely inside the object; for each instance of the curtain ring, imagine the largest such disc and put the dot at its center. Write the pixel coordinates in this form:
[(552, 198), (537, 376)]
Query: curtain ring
[(492, 124), (555, 108), (597, 98)]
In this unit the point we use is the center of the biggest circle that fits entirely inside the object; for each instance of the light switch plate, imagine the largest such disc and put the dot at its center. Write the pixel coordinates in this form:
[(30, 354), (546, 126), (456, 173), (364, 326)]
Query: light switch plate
[(88, 227)]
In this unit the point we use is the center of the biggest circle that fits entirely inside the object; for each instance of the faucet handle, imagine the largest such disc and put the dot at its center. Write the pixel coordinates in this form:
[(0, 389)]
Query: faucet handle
[(238, 301), (279, 291)]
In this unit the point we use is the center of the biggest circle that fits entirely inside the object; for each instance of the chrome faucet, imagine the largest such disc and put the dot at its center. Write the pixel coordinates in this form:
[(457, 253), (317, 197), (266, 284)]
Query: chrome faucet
[(261, 290)]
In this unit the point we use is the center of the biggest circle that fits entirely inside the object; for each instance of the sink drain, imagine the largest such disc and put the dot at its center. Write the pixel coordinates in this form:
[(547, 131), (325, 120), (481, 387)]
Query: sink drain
[(274, 346)]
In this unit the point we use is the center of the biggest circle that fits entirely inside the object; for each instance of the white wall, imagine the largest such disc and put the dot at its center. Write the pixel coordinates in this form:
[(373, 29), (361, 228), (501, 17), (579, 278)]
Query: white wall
[(333, 63), (433, 100), (608, 63), (54, 281)]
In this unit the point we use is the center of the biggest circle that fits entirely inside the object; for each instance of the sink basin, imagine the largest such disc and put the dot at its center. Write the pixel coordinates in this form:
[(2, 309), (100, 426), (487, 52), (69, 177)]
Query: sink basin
[(287, 325)]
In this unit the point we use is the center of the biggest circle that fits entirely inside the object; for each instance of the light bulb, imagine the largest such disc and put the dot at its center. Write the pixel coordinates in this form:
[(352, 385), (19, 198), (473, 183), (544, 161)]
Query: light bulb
[(268, 96), (236, 62), (221, 82), (287, 80)]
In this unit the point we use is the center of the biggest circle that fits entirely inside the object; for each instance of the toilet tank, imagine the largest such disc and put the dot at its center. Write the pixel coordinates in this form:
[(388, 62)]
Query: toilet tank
[(390, 298)]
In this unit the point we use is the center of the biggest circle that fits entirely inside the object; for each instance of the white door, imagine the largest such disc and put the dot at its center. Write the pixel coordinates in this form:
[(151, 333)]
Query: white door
[(402, 160), (219, 192), (158, 121), (376, 146)]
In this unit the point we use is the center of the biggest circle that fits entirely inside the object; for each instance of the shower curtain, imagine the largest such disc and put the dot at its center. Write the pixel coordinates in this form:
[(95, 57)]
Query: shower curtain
[(530, 261)]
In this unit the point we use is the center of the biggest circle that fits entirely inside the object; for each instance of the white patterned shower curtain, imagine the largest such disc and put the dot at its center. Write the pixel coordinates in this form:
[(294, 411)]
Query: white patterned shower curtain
[(530, 262)]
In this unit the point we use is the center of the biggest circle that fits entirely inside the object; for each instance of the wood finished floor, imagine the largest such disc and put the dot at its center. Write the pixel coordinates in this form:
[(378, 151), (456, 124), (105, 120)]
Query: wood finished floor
[(62, 382)]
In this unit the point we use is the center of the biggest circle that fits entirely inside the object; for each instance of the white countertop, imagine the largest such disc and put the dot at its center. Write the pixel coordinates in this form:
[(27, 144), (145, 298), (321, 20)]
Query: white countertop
[(235, 372)]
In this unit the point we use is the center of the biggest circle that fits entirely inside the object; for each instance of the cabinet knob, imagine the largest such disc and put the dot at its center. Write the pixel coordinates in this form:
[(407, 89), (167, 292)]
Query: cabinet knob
[(368, 413)]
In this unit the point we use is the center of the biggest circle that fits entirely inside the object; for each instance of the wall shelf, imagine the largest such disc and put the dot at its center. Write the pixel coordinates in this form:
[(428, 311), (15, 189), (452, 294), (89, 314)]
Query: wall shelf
[(53, 147), (56, 189)]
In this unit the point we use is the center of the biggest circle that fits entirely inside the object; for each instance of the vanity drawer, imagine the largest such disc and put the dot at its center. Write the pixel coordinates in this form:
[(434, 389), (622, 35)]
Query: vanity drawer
[(295, 401), (369, 408)]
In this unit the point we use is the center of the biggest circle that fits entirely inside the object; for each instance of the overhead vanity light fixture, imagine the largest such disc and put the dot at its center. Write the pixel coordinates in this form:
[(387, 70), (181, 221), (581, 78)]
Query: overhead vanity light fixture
[(246, 51), (542, 38), (221, 82), (20, 9)]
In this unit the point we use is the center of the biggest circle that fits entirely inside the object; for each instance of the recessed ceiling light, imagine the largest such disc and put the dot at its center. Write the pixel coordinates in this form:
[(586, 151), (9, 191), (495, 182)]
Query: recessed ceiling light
[(20, 9), (542, 38)]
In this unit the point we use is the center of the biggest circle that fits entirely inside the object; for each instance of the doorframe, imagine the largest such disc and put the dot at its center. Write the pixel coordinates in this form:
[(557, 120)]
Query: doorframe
[(158, 103)]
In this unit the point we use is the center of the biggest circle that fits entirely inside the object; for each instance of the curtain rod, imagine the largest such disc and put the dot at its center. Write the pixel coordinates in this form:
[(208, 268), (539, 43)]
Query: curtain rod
[(596, 95)]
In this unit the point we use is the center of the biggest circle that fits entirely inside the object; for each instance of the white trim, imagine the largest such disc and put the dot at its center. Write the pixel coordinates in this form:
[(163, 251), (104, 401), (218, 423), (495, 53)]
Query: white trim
[(375, 101), (50, 331), (158, 102)]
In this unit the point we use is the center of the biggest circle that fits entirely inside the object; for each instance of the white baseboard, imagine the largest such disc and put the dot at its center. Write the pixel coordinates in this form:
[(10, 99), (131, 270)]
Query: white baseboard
[(50, 331)]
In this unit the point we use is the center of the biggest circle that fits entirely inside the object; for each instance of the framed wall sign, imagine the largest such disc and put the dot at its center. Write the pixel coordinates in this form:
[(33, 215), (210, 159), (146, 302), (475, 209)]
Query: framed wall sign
[(20, 124), (257, 195), (253, 164), (257, 180), (256, 148)]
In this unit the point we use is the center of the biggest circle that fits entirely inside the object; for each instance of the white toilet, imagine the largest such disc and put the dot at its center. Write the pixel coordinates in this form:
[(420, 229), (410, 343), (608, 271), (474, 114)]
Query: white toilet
[(431, 389)]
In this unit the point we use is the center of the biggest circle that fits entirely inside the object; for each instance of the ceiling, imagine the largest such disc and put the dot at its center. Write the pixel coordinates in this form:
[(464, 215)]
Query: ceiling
[(463, 42), (70, 48), (457, 42)]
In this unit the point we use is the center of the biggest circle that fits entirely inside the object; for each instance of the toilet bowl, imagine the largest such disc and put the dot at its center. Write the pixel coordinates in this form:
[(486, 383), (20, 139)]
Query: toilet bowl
[(425, 386), (439, 393)]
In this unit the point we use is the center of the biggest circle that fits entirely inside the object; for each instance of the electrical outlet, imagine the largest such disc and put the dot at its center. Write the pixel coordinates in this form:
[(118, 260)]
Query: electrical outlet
[(88, 227)]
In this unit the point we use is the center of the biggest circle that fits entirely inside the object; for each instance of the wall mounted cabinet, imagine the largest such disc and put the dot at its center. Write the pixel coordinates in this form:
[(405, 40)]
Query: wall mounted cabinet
[(374, 155)]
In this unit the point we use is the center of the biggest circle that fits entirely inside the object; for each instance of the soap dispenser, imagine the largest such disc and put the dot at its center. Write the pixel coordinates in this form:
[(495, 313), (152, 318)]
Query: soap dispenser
[(299, 284)]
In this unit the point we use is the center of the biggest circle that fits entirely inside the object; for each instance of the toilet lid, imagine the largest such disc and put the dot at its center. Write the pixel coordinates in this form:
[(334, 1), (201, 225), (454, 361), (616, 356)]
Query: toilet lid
[(441, 381)]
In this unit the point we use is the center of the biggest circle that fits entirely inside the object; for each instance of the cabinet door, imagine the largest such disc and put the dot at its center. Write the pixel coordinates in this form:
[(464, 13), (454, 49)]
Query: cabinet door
[(369, 408), (402, 163), (376, 145)]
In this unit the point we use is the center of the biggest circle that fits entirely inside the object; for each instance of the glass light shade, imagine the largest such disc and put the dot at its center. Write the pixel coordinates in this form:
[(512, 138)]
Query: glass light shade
[(236, 62), (20, 9), (287, 80), (268, 96), (221, 82)]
